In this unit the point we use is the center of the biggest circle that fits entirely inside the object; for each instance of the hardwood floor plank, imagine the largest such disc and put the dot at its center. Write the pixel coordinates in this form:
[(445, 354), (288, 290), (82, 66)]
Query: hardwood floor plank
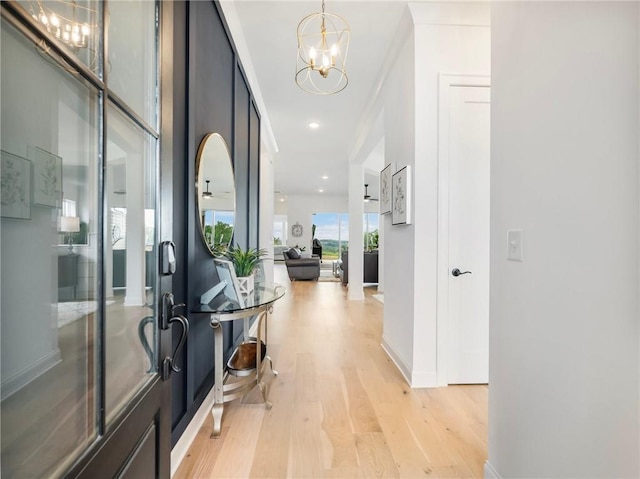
[(337, 425), (374, 456), (361, 412), (306, 458), (239, 445)]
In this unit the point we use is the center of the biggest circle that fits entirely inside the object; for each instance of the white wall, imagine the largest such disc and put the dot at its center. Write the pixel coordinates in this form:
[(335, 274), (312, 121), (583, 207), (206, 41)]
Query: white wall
[(445, 38), (399, 111), (266, 210), (564, 355)]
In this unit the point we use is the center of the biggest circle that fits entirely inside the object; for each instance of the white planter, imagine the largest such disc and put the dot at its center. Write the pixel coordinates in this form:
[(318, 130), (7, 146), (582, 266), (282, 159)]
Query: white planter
[(245, 284)]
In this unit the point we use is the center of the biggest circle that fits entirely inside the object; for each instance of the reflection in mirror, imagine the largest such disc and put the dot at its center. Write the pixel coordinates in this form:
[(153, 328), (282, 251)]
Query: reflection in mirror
[(216, 193)]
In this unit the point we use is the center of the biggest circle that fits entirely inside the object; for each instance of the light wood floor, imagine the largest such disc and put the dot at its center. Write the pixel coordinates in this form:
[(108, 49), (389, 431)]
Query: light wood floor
[(340, 408)]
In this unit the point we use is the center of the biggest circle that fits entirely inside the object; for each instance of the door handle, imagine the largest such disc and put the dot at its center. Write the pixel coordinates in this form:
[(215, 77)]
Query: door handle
[(168, 309), (456, 272), (168, 316), (169, 363), (143, 340)]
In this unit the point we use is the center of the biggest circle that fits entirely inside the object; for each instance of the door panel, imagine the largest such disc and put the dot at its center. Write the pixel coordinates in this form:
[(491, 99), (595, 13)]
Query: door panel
[(469, 234), (139, 440)]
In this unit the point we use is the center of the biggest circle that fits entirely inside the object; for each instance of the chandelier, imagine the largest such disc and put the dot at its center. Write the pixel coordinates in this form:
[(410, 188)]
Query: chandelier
[(323, 42), (63, 23)]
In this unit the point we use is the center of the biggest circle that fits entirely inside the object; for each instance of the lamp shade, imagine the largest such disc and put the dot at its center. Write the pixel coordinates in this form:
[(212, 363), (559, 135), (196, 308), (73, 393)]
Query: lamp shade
[(69, 224)]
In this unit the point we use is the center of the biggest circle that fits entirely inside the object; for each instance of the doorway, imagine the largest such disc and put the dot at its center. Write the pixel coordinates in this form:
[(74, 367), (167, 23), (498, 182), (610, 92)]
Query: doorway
[(463, 212)]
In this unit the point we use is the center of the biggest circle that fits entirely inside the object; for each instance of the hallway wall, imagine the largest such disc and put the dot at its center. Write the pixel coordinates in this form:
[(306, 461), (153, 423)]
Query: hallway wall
[(453, 39), (564, 360)]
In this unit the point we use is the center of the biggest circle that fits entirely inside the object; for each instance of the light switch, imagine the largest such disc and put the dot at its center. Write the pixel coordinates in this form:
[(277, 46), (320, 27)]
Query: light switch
[(514, 246)]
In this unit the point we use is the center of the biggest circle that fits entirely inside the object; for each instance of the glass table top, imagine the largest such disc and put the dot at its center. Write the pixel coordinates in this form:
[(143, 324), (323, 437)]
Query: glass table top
[(228, 302)]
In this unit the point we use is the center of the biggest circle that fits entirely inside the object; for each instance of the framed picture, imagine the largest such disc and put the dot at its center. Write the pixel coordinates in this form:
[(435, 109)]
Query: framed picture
[(226, 272), (15, 186), (47, 177), (401, 197), (385, 189)]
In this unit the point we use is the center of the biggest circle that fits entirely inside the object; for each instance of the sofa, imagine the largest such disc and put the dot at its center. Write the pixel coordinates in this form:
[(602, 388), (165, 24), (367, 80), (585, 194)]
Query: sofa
[(370, 263), (300, 267)]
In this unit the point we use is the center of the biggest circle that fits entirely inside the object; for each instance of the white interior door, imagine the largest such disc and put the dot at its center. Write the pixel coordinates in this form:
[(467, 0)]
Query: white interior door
[(469, 155)]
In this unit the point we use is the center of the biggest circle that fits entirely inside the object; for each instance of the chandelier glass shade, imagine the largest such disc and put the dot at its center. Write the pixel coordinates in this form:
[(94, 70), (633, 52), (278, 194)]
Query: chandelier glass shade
[(323, 43)]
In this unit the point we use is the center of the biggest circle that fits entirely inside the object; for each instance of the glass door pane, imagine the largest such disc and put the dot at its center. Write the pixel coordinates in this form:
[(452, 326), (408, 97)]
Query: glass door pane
[(49, 293), (133, 56), (130, 194)]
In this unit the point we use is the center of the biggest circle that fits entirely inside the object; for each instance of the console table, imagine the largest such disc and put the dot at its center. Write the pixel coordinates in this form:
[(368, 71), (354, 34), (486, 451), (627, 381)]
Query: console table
[(248, 360)]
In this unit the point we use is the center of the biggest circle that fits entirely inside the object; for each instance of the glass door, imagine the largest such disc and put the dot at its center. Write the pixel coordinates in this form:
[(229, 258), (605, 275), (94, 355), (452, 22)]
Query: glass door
[(79, 215)]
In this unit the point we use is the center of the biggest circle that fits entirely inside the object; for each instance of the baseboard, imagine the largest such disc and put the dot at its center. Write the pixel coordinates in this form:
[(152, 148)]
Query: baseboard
[(424, 380), (490, 472), (397, 360), (181, 448), (414, 379), (21, 378)]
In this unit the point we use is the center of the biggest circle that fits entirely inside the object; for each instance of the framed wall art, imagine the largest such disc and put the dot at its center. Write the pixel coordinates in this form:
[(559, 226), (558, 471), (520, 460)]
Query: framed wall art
[(47, 177), (15, 185), (401, 197), (385, 188)]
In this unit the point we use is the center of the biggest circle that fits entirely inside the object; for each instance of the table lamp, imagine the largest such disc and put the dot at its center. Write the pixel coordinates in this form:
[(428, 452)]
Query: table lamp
[(68, 225)]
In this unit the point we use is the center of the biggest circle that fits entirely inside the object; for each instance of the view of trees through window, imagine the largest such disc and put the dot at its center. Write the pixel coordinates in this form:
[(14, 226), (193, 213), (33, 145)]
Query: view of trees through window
[(332, 229), (220, 234)]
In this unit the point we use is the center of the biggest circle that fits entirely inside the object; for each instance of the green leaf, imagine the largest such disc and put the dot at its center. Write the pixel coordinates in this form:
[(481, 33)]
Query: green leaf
[(244, 261)]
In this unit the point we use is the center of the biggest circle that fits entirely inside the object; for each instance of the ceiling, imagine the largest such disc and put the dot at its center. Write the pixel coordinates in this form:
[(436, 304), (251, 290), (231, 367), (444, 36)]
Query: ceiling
[(304, 155)]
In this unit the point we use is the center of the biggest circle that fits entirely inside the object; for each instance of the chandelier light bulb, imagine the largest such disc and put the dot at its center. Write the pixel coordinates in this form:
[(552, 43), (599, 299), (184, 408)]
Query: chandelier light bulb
[(64, 24)]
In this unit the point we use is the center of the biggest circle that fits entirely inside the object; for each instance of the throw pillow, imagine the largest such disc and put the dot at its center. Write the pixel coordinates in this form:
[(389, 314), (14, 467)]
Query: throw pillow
[(293, 254)]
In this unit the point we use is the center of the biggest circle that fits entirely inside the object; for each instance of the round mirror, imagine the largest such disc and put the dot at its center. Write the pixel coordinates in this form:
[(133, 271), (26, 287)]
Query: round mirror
[(216, 193)]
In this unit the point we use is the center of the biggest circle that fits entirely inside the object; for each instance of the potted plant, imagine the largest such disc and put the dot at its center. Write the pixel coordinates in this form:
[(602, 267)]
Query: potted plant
[(245, 262)]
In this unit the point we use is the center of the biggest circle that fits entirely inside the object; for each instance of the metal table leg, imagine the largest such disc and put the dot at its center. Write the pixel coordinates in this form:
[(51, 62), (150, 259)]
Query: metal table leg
[(218, 392)]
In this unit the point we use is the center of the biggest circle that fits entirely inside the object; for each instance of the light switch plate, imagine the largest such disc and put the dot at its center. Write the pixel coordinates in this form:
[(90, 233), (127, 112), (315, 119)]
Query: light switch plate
[(514, 245)]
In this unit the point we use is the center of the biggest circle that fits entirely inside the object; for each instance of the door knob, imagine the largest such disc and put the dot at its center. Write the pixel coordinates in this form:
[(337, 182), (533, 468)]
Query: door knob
[(456, 272)]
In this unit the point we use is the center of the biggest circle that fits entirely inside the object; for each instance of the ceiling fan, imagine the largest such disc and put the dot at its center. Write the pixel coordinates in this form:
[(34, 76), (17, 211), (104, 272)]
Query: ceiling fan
[(218, 194), (367, 196), (207, 194)]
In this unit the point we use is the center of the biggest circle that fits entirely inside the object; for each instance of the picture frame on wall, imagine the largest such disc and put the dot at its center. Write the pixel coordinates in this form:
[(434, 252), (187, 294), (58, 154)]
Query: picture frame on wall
[(47, 177), (385, 189), (15, 178), (401, 197)]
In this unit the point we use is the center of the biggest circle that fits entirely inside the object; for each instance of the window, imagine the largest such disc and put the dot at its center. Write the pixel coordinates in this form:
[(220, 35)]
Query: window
[(371, 224), (332, 229)]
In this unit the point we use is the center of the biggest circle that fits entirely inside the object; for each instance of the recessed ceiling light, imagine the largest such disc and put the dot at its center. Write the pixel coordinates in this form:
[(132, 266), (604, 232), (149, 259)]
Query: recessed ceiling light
[(314, 124), (325, 177), (320, 190), (282, 200)]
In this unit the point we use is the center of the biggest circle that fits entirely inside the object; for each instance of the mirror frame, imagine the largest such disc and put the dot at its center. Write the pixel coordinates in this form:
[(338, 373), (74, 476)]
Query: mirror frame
[(199, 159)]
